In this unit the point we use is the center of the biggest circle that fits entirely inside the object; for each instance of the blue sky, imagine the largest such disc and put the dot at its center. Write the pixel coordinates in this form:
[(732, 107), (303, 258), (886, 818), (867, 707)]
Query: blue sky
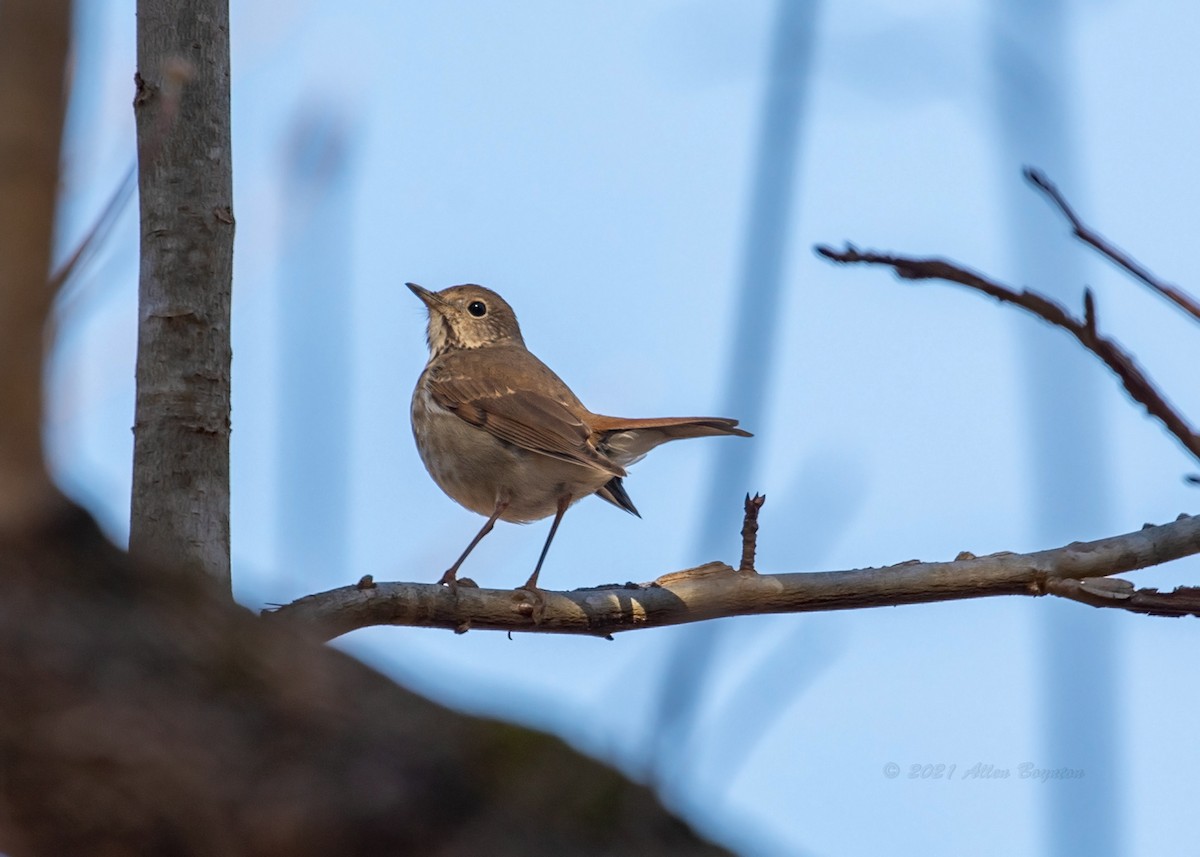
[(592, 163)]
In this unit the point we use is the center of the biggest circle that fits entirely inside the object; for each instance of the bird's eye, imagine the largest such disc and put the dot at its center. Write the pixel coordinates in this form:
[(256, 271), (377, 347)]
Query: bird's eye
[(477, 309)]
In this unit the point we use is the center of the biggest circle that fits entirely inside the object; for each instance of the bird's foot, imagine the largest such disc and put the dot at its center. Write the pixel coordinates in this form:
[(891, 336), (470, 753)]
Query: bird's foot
[(452, 580), (538, 607)]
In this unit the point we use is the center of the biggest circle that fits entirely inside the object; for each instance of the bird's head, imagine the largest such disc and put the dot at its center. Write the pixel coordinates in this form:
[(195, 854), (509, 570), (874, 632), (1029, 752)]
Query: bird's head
[(467, 316)]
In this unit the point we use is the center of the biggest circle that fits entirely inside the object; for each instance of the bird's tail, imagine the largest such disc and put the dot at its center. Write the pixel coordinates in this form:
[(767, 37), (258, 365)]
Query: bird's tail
[(614, 492), (626, 441)]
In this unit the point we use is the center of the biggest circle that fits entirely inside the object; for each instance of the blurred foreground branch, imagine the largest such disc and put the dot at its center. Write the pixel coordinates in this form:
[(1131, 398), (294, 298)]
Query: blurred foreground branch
[(716, 590), (144, 713), (33, 50)]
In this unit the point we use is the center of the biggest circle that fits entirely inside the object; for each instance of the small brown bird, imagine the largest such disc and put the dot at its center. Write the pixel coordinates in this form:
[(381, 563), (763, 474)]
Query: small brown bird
[(504, 436)]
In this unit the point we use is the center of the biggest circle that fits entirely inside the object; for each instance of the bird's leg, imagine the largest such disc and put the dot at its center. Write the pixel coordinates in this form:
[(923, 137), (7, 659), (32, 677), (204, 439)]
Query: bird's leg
[(450, 577), (563, 502)]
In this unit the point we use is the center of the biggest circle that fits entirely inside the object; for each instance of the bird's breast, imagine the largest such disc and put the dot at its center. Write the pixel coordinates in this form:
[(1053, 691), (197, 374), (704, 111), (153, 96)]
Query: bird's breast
[(477, 469)]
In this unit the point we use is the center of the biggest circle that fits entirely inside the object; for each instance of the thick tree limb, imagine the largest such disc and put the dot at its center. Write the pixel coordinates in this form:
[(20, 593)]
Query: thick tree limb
[(33, 52), (716, 590), (1136, 382), (1101, 244)]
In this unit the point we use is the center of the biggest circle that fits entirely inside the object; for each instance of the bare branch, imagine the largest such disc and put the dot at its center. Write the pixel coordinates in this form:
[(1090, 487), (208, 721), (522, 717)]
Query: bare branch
[(1118, 257), (1136, 382), (1115, 592), (715, 590)]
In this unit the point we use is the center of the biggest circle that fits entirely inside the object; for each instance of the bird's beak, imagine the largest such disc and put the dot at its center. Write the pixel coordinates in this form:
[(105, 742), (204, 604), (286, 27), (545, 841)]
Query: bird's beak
[(433, 300), (430, 299)]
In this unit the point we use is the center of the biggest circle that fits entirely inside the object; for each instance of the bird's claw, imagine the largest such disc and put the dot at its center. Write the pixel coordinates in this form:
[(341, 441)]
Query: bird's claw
[(538, 597)]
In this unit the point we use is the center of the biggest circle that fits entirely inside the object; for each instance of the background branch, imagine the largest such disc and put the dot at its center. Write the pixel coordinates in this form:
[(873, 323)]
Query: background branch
[(1123, 260), (1136, 382), (94, 237), (716, 590)]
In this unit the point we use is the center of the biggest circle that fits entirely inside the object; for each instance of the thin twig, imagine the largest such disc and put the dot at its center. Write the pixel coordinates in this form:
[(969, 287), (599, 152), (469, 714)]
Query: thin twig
[(1118, 257), (99, 230), (1136, 382), (750, 532), (176, 74)]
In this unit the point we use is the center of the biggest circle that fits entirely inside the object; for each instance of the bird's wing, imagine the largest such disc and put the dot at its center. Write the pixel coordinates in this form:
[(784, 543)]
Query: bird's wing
[(534, 421)]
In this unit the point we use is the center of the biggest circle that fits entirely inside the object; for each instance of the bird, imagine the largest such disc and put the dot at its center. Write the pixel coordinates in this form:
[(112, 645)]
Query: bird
[(505, 437)]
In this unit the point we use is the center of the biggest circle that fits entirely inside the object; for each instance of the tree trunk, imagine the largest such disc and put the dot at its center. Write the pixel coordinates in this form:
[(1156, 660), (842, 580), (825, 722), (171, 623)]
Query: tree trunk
[(180, 503)]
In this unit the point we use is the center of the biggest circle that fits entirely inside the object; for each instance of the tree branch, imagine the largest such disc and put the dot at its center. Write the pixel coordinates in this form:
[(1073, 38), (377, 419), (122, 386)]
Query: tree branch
[(715, 590), (1085, 234), (1115, 592), (1136, 382)]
